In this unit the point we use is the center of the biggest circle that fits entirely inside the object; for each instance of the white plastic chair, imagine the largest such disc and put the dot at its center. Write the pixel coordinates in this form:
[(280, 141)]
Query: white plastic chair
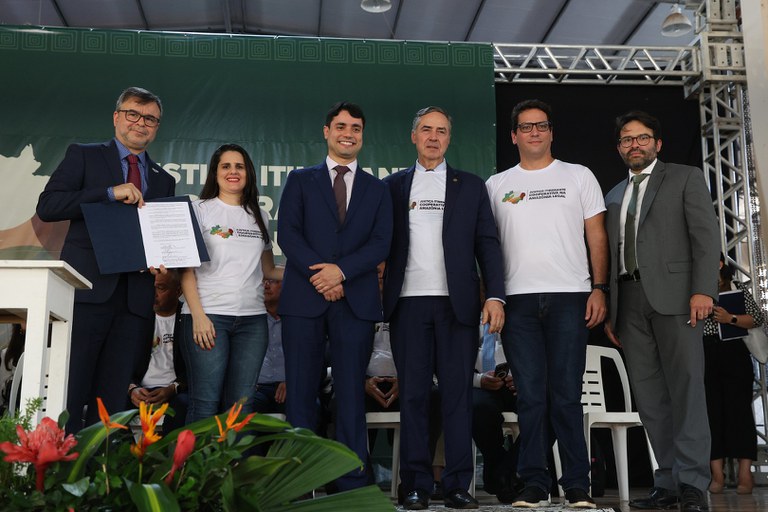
[(389, 419), (596, 415), (13, 398)]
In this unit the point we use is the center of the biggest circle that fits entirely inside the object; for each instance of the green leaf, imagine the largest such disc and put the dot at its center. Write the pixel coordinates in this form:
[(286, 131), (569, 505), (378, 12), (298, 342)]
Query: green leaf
[(370, 499), (88, 441), (228, 500), (249, 470), (314, 461), (152, 497), (63, 418), (78, 488)]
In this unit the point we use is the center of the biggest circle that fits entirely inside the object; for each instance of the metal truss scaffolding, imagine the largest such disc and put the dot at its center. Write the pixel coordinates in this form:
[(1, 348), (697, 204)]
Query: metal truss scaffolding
[(713, 70)]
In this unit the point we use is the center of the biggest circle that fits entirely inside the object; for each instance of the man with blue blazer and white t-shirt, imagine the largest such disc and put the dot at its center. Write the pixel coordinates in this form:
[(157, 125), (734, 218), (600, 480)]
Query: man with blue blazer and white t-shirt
[(443, 227), (113, 321), (335, 226)]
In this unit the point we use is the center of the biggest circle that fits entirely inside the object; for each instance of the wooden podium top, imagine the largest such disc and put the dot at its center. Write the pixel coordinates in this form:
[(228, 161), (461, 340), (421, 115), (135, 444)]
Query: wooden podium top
[(61, 268)]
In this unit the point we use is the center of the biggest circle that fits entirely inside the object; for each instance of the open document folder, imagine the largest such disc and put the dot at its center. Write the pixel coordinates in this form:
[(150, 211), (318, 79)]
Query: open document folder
[(162, 232)]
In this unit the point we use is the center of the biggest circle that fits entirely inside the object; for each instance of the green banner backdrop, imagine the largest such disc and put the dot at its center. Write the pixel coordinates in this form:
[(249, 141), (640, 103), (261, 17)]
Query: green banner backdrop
[(269, 94)]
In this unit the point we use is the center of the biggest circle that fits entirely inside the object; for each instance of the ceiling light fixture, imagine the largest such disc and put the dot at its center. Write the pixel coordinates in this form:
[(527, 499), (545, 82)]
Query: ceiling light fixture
[(376, 6), (676, 23)]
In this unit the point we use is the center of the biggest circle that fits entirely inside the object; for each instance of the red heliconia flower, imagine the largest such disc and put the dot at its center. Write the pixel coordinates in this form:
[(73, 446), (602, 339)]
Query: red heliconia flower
[(230, 424), (42, 447), (185, 444)]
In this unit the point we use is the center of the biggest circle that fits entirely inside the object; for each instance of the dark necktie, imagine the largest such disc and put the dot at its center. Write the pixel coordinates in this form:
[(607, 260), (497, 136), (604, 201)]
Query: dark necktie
[(630, 253), (134, 176), (340, 191)]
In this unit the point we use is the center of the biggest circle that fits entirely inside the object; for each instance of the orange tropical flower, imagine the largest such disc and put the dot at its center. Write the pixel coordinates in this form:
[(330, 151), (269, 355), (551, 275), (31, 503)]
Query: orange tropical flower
[(104, 415), (149, 421), (45, 445), (230, 424), (185, 444)]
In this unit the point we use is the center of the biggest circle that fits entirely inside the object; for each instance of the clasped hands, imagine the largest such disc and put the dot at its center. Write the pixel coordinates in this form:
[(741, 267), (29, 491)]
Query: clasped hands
[(327, 281), (384, 399), (490, 381)]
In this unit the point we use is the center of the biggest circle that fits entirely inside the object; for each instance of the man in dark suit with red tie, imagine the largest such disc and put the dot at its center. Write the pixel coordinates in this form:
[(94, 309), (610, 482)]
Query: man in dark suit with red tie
[(113, 320), (443, 227), (335, 226)]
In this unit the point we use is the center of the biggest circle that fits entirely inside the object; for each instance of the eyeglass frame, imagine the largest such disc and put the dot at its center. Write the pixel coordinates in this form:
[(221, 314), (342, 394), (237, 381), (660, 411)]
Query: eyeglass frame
[(538, 126), (149, 120), (634, 139)]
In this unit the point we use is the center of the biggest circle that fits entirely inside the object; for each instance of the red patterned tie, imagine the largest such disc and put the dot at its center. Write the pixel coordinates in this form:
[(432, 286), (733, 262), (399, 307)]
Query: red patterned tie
[(134, 176)]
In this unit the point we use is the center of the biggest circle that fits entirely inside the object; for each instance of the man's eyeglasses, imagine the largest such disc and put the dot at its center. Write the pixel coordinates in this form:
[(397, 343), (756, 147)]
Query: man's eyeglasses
[(133, 116), (542, 126), (271, 282), (642, 140)]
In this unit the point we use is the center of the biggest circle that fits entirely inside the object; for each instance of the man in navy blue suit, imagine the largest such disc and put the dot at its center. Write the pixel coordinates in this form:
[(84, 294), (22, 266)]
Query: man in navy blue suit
[(335, 226), (113, 320), (443, 227)]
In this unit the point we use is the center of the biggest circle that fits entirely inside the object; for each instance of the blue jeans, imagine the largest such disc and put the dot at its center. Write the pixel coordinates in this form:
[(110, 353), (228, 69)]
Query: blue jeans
[(227, 373), (545, 340)]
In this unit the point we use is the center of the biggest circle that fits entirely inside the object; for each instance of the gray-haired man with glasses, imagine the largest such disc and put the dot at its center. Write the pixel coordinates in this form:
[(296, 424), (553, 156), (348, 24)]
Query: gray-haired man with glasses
[(113, 321), (544, 208), (664, 257)]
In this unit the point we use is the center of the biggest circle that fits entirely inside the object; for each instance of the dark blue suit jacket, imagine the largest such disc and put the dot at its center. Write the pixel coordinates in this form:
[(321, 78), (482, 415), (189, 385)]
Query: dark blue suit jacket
[(469, 235), (309, 232), (83, 177)]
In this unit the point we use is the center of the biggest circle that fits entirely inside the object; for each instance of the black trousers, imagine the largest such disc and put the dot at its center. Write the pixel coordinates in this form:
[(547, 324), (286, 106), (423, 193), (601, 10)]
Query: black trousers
[(728, 378)]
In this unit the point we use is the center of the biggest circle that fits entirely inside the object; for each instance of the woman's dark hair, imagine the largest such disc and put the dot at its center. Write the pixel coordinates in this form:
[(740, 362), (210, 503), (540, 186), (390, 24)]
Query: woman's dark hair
[(15, 347), (250, 197), (727, 271)]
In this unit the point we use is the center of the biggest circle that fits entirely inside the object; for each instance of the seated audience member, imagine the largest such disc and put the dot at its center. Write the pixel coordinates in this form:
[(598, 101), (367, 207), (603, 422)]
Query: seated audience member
[(381, 387), (381, 395), (270, 390), (728, 381), (9, 359), (494, 393), (160, 376)]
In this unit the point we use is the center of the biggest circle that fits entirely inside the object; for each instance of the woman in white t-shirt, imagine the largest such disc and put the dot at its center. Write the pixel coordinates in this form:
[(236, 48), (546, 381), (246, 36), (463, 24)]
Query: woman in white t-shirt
[(224, 326)]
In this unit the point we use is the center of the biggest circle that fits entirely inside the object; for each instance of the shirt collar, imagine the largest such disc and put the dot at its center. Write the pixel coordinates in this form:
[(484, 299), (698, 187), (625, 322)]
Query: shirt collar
[(647, 170), (331, 164), (442, 167), (124, 152)]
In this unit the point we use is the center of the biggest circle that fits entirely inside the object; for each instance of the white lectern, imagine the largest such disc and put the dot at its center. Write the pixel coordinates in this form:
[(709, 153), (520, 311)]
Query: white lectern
[(43, 293)]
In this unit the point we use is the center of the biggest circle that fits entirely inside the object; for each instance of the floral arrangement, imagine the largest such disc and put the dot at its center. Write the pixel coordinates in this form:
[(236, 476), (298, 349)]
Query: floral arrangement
[(209, 465)]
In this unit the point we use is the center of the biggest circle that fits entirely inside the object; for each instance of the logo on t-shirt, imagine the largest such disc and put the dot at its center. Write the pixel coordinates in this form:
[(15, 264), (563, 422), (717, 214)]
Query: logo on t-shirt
[(428, 205), (236, 232), (512, 197), (222, 232)]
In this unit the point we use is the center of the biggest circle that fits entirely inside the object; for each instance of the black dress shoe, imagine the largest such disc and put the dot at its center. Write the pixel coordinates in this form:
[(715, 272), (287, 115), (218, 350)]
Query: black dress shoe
[(658, 499), (416, 500), (506, 495), (461, 499), (692, 499)]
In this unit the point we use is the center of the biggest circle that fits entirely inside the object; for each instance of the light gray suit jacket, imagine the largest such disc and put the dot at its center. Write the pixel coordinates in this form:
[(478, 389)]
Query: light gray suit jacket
[(678, 241)]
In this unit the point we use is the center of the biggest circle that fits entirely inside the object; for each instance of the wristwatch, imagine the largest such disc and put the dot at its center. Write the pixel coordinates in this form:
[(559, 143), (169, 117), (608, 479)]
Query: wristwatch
[(602, 287), (734, 320)]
